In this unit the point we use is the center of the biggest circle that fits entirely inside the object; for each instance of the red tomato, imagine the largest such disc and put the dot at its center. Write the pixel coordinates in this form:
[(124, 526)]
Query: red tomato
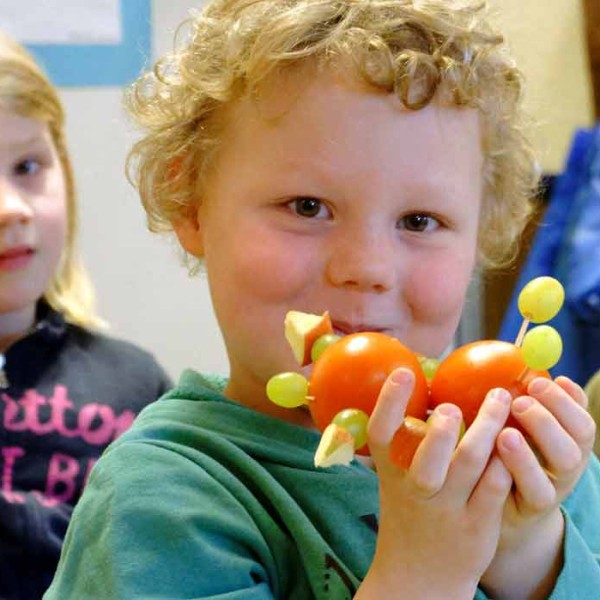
[(406, 441), (471, 371), (351, 372)]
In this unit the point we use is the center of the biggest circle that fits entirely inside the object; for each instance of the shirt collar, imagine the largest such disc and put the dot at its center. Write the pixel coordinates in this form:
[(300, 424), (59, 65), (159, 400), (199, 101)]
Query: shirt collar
[(50, 324)]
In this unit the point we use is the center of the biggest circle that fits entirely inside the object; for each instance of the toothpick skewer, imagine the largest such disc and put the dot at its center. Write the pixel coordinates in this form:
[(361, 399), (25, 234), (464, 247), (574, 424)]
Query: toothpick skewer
[(519, 343), (523, 374), (522, 332)]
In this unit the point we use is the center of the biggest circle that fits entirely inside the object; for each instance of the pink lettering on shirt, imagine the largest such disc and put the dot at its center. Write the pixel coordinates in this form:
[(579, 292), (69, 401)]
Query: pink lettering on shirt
[(9, 456), (62, 472), (94, 423), (97, 423)]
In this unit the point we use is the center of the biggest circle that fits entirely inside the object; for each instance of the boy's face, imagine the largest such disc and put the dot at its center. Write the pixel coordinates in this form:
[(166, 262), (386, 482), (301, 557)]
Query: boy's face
[(32, 217), (327, 195)]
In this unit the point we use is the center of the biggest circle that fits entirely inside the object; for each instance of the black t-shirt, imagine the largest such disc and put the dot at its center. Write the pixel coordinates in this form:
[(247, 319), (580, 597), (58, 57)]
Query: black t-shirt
[(70, 392)]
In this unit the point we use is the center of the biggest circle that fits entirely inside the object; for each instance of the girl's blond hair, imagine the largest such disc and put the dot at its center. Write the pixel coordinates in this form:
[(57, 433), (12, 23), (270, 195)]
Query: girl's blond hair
[(25, 90), (412, 48)]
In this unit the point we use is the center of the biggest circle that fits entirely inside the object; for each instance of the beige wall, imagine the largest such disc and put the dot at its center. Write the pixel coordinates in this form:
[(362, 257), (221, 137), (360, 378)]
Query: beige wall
[(548, 40)]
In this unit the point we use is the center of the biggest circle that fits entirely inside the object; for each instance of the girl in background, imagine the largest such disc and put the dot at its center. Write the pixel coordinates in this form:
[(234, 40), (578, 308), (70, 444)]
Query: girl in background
[(66, 391)]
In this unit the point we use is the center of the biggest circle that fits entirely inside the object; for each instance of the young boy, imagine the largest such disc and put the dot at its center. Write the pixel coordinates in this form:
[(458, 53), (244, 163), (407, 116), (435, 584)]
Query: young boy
[(358, 157)]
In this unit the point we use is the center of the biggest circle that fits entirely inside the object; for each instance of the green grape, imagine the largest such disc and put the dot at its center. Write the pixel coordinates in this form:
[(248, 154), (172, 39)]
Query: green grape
[(355, 422), (542, 347), (429, 366), (541, 299), (321, 343), (287, 389)]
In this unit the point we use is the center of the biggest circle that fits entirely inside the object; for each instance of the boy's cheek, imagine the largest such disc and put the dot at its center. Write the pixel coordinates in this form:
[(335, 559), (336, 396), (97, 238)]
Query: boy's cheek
[(273, 273), (437, 296), (442, 284)]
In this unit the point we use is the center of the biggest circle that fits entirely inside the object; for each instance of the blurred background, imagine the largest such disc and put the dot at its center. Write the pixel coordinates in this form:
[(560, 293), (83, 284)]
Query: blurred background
[(142, 290)]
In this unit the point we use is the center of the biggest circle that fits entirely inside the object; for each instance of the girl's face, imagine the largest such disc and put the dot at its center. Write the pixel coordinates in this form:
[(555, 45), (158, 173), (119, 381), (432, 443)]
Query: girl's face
[(32, 218), (337, 198)]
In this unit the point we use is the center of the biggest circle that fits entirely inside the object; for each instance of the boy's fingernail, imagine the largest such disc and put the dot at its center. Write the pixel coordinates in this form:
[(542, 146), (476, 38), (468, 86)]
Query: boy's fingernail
[(499, 395), (510, 439), (402, 376), (521, 404), (449, 410), (539, 385)]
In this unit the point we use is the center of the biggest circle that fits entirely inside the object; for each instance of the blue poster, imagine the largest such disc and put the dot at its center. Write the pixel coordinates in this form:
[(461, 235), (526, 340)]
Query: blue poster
[(79, 65)]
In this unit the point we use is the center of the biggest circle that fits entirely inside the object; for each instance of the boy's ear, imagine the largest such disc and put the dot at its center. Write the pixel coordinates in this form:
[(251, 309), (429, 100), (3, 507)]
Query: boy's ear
[(189, 233)]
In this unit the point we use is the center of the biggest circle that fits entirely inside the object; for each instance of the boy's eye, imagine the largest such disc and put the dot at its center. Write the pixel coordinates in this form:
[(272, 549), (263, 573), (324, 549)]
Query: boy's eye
[(309, 207), (418, 222), (28, 166)]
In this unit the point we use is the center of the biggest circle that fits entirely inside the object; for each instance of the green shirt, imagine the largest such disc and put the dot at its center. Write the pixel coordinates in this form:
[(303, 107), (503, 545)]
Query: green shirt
[(205, 498)]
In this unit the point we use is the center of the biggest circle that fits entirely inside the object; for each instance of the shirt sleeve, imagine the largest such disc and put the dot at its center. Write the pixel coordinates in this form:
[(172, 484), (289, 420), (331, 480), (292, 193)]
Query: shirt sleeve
[(152, 524), (580, 575)]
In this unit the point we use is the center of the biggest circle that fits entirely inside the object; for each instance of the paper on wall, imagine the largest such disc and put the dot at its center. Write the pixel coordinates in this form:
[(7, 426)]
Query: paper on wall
[(63, 22)]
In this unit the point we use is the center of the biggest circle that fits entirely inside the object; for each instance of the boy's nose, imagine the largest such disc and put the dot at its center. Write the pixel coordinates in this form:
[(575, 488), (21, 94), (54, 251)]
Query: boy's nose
[(13, 206), (363, 262)]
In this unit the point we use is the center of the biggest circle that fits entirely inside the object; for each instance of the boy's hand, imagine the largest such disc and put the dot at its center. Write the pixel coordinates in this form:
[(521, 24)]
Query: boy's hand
[(449, 499), (555, 418)]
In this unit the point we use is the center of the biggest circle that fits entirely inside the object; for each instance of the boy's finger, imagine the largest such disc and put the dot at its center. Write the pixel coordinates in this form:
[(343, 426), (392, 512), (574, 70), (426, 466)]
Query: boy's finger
[(560, 452), (433, 456), (535, 490), (492, 490), (388, 413), (573, 389), (566, 402), (477, 445)]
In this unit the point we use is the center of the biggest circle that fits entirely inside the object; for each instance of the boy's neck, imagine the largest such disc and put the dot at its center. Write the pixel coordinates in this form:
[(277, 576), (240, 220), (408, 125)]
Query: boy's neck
[(252, 394), (14, 325)]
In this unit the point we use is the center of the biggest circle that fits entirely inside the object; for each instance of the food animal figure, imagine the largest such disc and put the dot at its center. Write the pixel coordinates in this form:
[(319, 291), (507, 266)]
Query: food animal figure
[(349, 371)]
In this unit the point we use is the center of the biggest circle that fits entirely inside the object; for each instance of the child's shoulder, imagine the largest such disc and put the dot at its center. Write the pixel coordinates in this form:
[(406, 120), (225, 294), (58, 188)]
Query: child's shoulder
[(53, 328), (102, 353), (108, 343)]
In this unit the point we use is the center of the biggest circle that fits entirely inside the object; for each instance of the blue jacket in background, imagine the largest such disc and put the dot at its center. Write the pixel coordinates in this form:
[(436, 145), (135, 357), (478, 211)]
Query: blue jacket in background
[(567, 246)]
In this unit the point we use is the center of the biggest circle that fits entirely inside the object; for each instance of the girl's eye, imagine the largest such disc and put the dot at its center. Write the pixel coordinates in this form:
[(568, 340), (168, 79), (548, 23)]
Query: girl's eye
[(29, 166), (418, 223), (309, 207)]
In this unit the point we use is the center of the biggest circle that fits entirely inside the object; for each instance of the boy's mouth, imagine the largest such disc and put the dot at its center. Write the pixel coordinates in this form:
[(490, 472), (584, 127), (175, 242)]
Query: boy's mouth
[(346, 328)]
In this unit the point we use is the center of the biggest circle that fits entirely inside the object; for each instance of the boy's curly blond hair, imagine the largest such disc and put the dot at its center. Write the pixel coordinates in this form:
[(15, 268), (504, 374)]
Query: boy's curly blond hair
[(26, 91), (414, 49)]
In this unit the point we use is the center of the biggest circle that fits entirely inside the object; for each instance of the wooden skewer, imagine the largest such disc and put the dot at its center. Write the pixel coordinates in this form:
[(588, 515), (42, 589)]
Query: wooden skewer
[(523, 374), (519, 343), (522, 332)]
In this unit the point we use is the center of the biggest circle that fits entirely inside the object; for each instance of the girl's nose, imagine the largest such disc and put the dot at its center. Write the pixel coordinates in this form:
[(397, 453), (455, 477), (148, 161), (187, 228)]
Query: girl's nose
[(363, 262), (13, 205)]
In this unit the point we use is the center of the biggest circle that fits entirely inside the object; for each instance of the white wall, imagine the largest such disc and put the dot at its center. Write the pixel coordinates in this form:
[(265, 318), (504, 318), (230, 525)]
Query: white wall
[(143, 291)]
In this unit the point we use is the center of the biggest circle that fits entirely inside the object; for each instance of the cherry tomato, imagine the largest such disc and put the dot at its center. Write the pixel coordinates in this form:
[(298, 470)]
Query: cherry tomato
[(471, 371), (406, 441), (351, 372)]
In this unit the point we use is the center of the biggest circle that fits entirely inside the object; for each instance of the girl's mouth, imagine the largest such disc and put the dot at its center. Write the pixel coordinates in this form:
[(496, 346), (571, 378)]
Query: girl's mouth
[(15, 258)]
